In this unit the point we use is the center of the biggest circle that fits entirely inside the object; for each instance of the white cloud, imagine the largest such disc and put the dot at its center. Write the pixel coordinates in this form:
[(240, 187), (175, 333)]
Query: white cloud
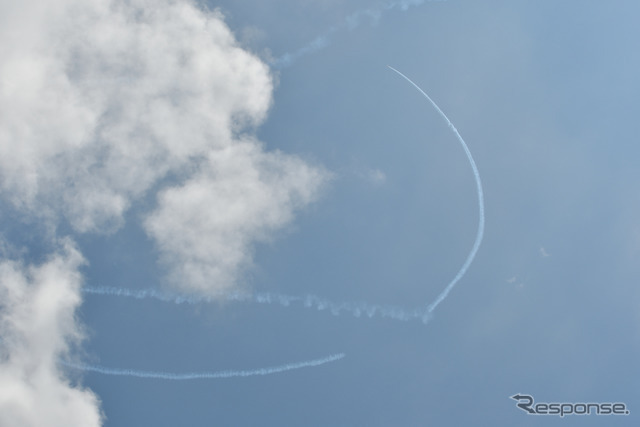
[(100, 102), (102, 99), (37, 328), (206, 227)]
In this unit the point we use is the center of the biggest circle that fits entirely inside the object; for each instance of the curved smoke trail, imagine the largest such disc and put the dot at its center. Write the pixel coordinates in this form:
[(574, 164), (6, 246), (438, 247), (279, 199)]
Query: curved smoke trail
[(202, 375), (356, 309), (350, 22), (476, 174)]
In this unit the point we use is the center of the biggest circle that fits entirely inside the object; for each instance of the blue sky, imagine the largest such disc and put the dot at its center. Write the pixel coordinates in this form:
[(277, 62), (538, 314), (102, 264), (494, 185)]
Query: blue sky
[(166, 146)]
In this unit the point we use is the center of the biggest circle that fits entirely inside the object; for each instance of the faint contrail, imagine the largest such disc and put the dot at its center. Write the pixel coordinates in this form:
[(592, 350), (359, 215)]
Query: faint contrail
[(356, 309), (476, 174), (201, 375), (351, 22)]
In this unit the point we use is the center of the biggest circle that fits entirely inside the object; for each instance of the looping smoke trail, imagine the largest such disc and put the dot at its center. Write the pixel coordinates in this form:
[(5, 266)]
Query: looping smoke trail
[(351, 22), (476, 174), (356, 309), (201, 375)]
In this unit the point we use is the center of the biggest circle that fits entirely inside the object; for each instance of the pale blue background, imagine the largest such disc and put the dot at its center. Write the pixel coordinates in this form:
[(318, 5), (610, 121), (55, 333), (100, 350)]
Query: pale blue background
[(546, 95)]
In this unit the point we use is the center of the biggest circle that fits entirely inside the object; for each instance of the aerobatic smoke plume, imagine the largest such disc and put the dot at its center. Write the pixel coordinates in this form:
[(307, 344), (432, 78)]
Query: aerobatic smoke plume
[(202, 375), (351, 22), (356, 309), (476, 175)]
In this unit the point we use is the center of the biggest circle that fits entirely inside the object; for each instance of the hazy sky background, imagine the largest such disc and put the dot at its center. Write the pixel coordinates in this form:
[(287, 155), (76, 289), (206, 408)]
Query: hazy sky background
[(168, 155)]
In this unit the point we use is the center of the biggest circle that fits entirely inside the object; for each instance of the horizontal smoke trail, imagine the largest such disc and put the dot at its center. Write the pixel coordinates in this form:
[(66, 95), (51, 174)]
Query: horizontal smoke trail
[(356, 309), (476, 174), (202, 375), (351, 22)]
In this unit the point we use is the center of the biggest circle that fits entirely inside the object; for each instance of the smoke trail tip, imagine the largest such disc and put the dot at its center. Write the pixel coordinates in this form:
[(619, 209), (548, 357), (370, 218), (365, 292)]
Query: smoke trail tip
[(428, 316)]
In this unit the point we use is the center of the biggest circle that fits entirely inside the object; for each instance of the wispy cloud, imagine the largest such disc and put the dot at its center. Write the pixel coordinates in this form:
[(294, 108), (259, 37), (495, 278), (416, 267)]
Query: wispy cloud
[(375, 177), (516, 282)]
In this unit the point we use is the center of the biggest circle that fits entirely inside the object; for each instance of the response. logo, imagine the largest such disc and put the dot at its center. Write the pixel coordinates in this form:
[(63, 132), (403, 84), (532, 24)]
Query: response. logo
[(526, 403)]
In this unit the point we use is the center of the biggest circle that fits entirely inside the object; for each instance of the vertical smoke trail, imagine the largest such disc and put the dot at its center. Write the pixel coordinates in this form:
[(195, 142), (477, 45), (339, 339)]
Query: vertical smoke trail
[(351, 22), (202, 375), (476, 174)]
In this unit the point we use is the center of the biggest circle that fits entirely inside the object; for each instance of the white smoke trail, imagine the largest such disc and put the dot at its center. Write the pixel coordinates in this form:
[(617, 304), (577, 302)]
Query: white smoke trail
[(356, 309), (351, 22), (476, 174), (202, 375)]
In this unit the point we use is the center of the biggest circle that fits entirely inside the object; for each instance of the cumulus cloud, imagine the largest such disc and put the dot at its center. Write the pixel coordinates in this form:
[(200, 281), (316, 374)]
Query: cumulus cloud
[(37, 328), (205, 227), (102, 102), (102, 99)]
